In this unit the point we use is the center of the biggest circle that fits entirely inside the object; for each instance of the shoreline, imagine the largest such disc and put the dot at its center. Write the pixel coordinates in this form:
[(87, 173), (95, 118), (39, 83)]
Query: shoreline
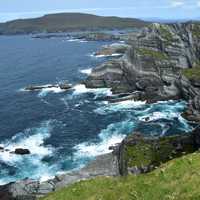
[(103, 165)]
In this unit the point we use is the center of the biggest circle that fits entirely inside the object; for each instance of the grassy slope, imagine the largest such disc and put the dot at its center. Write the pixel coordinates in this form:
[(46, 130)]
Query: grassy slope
[(178, 179)]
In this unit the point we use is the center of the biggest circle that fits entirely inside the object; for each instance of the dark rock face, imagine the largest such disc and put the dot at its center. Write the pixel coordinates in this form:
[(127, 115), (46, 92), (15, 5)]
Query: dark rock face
[(153, 64), (63, 86), (21, 151), (138, 154)]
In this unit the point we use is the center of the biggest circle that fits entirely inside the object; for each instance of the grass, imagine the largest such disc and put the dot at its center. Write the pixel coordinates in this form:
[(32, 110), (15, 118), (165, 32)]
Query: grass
[(196, 30), (178, 179), (192, 73), (152, 54)]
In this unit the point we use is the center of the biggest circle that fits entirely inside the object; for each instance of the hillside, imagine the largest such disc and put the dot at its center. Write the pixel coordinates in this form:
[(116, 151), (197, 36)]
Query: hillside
[(68, 22), (177, 180)]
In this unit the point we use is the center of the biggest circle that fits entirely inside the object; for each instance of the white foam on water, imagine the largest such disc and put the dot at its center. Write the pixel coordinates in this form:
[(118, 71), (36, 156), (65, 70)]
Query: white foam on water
[(106, 56), (73, 40), (30, 165), (77, 40), (169, 110), (25, 140), (45, 91), (159, 115), (110, 136), (119, 106), (86, 71), (81, 89)]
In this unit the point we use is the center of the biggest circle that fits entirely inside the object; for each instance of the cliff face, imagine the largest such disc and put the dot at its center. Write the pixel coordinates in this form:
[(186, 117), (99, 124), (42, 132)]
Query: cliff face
[(154, 63), (139, 154)]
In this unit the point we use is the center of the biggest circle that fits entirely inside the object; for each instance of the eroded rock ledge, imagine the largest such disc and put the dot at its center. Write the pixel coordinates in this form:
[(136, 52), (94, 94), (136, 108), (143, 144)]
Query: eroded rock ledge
[(153, 66)]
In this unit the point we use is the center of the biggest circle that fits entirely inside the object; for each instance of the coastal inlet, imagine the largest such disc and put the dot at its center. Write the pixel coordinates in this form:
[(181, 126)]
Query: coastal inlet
[(65, 129)]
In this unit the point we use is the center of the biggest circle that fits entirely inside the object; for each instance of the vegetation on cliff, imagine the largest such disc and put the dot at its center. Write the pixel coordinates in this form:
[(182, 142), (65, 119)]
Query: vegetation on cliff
[(178, 180), (156, 55), (192, 73)]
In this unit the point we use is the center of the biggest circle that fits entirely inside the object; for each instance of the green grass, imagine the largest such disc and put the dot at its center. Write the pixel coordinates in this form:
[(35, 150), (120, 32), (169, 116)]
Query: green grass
[(178, 179), (192, 73), (196, 30), (152, 53)]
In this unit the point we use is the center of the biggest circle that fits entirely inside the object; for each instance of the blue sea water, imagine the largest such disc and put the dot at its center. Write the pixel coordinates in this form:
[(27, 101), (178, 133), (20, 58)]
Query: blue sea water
[(64, 130)]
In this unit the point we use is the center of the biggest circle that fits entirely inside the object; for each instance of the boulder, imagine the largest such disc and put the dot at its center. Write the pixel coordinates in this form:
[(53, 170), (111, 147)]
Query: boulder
[(65, 86), (21, 151)]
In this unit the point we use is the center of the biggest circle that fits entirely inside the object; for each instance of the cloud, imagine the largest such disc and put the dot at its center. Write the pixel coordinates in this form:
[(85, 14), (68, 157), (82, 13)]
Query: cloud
[(177, 3), (198, 3)]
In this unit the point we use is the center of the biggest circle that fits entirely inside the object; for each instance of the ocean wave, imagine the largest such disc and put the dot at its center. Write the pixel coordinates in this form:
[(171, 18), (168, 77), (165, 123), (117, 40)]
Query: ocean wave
[(77, 40), (119, 106), (110, 136), (28, 165), (81, 89), (86, 71), (45, 91)]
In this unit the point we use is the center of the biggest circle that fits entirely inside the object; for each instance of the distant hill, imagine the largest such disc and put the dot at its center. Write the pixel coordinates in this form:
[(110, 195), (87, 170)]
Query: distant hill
[(63, 22)]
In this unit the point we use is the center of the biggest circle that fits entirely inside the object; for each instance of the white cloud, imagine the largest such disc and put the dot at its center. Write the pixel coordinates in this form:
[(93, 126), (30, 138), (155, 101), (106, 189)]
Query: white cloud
[(177, 3)]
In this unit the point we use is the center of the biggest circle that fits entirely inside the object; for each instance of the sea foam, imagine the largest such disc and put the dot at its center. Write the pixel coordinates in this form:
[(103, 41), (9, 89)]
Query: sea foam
[(86, 71), (28, 165), (110, 136), (81, 89)]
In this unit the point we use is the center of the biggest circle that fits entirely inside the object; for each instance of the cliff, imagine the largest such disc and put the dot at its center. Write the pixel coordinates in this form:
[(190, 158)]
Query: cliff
[(154, 65)]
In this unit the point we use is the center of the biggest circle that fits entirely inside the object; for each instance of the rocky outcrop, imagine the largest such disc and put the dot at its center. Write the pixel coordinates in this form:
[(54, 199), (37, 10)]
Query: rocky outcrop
[(154, 63), (105, 165), (139, 154), (62, 86), (21, 151), (113, 49)]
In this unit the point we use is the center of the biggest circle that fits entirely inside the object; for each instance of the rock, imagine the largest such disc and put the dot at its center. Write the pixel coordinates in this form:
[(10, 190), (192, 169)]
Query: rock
[(63, 86), (21, 151), (153, 64), (27, 189), (116, 49), (1, 148), (139, 154)]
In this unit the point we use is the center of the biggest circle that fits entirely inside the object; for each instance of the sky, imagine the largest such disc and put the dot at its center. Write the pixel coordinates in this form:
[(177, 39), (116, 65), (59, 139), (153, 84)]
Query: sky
[(145, 9)]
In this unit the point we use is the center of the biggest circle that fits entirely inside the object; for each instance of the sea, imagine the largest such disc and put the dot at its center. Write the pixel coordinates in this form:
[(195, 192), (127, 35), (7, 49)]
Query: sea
[(64, 130)]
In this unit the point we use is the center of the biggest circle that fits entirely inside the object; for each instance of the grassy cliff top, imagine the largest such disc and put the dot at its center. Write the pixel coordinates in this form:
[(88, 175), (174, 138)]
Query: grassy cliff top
[(176, 180)]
